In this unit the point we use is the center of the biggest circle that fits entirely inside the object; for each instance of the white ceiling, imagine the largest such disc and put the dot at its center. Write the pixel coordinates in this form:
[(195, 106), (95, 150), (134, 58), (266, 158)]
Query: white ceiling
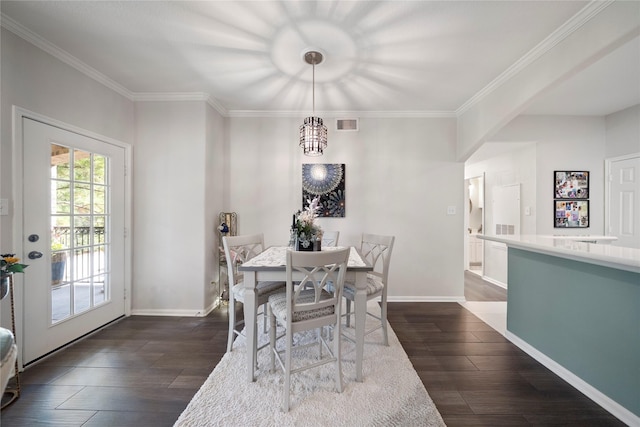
[(387, 57)]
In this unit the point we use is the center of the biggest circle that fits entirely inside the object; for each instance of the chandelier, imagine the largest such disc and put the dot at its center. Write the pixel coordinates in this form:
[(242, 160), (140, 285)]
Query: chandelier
[(313, 133)]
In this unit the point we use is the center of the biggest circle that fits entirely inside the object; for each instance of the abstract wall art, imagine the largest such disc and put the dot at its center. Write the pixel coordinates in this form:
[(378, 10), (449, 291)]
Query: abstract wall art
[(325, 180)]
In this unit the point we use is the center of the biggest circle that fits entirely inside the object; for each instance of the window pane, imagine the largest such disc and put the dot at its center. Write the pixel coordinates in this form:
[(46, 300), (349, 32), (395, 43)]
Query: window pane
[(60, 232), (60, 197), (81, 296), (99, 199), (99, 290), (100, 229), (59, 268), (82, 266), (60, 303), (81, 166), (59, 162), (99, 169), (81, 198), (99, 261), (82, 231)]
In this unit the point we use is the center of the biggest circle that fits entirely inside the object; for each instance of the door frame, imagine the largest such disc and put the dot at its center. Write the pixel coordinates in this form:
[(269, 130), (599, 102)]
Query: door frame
[(18, 113)]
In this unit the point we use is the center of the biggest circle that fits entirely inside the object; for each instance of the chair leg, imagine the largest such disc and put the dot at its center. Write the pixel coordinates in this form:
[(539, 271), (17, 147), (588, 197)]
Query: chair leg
[(383, 319), (272, 339), (264, 319), (348, 313), (287, 373), (232, 322), (337, 353)]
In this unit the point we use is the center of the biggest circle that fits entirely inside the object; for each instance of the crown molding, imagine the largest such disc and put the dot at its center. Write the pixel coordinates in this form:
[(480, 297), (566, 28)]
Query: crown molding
[(343, 114), (180, 96), (170, 96), (64, 56), (565, 30)]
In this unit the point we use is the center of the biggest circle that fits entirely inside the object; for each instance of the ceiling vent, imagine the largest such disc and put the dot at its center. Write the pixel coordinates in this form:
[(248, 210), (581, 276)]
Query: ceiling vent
[(347, 124)]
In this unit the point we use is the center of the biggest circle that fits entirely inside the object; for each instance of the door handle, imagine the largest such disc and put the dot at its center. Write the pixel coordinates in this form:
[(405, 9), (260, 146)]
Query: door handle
[(35, 255)]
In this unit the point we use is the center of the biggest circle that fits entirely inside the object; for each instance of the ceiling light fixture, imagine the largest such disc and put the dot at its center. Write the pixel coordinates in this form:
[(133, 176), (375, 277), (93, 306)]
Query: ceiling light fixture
[(313, 133)]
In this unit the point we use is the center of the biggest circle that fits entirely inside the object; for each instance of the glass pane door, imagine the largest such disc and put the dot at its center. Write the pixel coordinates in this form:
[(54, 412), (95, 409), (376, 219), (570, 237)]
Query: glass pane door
[(79, 231)]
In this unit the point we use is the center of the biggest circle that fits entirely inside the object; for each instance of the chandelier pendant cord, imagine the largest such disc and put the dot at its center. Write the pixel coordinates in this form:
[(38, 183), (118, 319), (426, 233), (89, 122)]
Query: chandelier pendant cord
[(313, 87)]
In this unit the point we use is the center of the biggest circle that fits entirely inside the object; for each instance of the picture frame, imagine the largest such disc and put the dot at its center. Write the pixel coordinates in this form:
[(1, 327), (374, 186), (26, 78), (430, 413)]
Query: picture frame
[(327, 182), (569, 184), (571, 214)]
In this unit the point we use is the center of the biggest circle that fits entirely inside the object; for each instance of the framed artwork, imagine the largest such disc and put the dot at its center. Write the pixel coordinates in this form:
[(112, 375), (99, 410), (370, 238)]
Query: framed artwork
[(571, 184), (326, 181), (571, 213)]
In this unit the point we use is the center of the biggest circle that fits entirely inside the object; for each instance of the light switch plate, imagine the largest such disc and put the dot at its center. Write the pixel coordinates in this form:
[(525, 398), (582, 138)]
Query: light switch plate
[(451, 210), (4, 206)]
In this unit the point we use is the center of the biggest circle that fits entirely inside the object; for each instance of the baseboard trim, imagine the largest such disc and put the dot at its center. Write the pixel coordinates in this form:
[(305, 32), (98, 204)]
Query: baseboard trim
[(426, 299), (617, 410), (177, 313), (494, 282)]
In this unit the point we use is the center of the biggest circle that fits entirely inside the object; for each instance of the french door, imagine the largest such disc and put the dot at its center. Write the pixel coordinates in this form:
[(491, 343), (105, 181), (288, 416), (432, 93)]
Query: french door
[(73, 222)]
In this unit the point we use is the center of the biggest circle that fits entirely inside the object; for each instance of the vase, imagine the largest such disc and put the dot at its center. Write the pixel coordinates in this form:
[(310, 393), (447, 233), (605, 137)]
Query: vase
[(58, 264), (301, 245), (4, 285)]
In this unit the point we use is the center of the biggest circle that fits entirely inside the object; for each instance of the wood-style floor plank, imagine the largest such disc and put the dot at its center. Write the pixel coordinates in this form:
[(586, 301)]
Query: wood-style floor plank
[(143, 371)]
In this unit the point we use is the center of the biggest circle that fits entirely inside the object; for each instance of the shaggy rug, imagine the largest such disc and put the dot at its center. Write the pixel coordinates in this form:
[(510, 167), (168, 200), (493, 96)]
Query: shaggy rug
[(391, 394)]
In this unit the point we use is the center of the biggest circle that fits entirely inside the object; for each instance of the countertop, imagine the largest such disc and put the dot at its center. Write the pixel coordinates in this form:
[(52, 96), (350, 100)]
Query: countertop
[(568, 247)]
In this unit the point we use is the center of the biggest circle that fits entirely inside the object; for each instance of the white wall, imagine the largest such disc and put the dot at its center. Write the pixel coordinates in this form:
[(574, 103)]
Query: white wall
[(172, 261), (213, 200), (36, 81), (563, 143), (623, 132), (401, 175)]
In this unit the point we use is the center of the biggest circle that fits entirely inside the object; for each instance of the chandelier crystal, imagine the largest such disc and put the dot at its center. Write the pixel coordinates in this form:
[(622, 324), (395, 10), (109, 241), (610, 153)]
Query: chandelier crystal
[(313, 133)]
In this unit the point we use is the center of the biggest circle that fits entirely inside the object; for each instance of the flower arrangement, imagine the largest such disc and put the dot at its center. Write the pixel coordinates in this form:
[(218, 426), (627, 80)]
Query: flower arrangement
[(10, 264), (304, 227)]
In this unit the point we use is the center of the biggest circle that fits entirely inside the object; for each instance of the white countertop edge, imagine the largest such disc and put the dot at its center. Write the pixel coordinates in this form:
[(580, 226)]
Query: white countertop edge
[(605, 255)]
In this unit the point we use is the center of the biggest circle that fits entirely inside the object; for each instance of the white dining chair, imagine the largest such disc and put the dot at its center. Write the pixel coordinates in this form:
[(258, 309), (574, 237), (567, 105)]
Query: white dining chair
[(330, 238), (309, 304), (238, 249), (376, 250)]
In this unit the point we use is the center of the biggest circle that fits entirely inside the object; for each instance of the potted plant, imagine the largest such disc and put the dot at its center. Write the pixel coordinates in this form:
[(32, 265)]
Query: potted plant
[(9, 264), (307, 234)]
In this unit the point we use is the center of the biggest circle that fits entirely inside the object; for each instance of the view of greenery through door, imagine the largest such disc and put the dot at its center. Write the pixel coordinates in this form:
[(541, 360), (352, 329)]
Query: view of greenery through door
[(79, 234)]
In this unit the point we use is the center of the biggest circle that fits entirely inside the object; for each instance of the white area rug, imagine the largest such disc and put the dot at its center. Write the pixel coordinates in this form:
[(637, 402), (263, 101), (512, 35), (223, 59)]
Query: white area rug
[(391, 394)]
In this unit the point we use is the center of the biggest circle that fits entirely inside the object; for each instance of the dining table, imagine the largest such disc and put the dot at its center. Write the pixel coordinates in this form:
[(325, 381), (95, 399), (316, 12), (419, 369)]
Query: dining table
[(270, 265)]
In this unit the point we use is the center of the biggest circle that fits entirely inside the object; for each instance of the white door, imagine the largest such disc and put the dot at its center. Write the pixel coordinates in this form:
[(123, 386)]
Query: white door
[(73, 206), (624, 201)]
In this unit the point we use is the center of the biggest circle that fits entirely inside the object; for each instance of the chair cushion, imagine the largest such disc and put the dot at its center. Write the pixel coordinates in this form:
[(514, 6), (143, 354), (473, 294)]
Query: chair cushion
[(263, 289), (278, 302), (374, 285), (6, 344)]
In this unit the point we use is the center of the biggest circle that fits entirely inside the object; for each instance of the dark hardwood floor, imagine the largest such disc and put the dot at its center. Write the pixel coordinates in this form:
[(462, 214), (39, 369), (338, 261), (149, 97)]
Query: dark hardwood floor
[(143, 371)]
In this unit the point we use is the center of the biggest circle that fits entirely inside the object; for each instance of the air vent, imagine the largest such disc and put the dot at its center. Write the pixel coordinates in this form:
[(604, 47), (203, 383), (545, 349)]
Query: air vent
[(347, 124)]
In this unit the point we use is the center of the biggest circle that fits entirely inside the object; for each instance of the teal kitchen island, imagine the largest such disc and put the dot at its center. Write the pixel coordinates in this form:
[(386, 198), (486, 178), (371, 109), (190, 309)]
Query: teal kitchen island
[(575, 307)]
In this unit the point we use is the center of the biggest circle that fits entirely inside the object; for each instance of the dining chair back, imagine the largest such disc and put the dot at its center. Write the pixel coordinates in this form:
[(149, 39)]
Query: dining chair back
[(312, 300), (376, 250), (239, 249), (330, 238)]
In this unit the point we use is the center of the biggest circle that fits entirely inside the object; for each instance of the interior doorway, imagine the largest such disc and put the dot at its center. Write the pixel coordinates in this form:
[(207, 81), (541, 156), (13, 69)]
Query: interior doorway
[(474, 223)]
